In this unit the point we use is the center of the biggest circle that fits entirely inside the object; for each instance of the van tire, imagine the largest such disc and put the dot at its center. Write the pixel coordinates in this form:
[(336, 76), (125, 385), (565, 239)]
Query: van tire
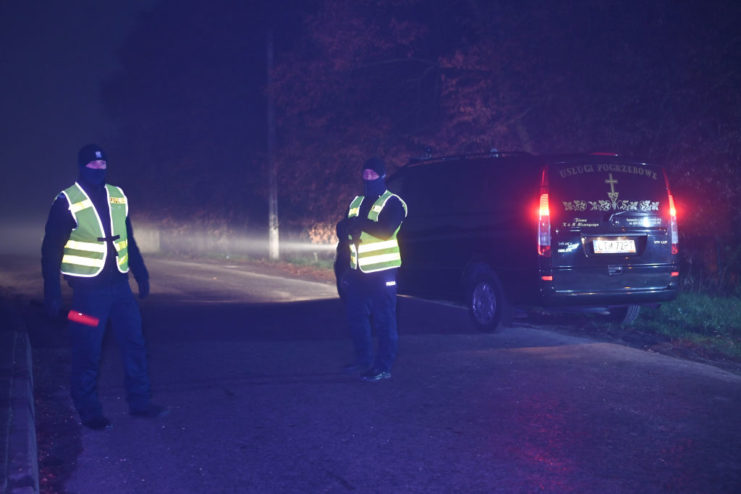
[(626, 315), (485, 299)]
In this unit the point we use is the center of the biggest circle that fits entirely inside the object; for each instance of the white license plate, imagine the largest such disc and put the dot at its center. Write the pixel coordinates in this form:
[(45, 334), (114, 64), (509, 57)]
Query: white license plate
[(624, 246)]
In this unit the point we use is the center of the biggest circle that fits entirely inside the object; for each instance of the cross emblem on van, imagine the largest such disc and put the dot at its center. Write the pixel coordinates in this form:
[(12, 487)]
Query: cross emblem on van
[(612, 194)]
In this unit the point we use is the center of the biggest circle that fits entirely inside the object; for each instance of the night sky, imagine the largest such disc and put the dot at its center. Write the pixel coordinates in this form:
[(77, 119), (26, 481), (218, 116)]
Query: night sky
[(54, 56)]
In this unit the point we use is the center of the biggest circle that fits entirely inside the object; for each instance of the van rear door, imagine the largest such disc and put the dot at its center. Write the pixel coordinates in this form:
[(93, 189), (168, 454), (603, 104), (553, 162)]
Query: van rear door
[(611, 230)]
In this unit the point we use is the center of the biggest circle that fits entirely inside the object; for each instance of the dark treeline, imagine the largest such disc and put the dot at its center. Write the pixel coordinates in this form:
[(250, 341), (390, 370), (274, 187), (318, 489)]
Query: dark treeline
[(656, 80)]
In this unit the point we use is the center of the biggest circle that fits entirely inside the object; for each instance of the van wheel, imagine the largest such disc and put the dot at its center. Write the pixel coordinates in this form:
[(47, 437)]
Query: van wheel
[(486, 302), (625, 316)]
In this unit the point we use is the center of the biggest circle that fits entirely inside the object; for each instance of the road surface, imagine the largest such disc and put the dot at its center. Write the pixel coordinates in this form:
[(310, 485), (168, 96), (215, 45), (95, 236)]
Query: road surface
[(249, 365)]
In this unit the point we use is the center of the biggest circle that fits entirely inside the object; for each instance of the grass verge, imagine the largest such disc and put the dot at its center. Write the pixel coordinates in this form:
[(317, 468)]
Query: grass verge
[(710, 322)]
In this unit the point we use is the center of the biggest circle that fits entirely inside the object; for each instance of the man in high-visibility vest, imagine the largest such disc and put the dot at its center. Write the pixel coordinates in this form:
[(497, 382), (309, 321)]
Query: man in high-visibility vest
[(88, 238), (368, 258)]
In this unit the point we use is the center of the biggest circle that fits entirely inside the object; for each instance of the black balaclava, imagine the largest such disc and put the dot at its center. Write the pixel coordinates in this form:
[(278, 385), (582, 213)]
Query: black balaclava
[(374, 188), (91, 176)]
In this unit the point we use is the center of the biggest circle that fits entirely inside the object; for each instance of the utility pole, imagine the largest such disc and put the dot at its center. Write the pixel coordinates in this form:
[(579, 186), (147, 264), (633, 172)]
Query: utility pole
[(273, 230)]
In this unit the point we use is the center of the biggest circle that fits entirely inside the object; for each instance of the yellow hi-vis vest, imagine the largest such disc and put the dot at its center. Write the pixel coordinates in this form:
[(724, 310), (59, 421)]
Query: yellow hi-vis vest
[(372, 253), (84, 253)]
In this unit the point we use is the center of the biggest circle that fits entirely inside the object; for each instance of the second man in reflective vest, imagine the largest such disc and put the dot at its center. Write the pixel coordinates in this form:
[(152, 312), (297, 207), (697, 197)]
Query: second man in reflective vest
[(368, 258)]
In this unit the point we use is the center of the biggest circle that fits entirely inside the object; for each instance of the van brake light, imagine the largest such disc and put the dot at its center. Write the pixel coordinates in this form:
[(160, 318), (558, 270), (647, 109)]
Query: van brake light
[(544, 218), (544, 226), (673, 225), (672, 218), (544, 210)]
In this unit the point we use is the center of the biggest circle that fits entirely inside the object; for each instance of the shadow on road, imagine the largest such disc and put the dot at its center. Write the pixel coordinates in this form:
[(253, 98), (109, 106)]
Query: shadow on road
[(168, 317)]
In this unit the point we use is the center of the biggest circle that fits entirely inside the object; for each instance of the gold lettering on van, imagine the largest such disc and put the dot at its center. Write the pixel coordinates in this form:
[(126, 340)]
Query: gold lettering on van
[(605, 205), (573, 171), (576, 170), (630, 169), (578, 223), (575, 205)]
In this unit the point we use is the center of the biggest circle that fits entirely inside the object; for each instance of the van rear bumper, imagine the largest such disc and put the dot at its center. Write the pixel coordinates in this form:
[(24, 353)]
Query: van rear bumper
[(618, 284), (554, 298)]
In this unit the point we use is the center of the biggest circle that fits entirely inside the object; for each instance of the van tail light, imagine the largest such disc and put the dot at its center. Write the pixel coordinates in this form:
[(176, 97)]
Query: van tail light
[(672, 219), (544, 226), (674, 231), (673, 223), (544, 219)]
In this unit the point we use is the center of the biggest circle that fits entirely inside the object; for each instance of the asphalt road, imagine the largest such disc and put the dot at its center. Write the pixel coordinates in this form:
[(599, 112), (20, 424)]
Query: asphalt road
[(249, 365)]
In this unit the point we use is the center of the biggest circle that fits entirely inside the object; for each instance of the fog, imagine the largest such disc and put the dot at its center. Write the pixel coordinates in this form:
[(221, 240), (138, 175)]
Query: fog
[(197, 242), (24, 236)]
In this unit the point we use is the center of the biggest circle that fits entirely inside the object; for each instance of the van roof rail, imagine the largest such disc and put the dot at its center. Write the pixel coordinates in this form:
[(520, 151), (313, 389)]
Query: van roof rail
[(493, 153)]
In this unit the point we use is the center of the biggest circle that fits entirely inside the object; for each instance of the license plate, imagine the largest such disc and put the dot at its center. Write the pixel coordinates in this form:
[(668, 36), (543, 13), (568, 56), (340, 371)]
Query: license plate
[(623, 246)]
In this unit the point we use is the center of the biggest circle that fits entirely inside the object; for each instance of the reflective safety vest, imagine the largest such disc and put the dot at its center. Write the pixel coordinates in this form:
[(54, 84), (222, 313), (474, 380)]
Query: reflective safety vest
[(372, 253), (86, 250)]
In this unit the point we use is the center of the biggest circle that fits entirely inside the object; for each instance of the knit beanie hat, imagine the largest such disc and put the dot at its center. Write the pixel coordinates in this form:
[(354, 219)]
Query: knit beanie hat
[(377, 165), (91, 152)]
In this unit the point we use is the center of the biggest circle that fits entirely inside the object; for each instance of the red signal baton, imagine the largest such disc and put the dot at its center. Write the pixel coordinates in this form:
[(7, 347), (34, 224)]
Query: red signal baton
[(83, 318)]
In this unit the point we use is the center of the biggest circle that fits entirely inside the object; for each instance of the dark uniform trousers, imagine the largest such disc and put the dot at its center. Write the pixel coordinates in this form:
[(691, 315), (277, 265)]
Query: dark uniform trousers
[(116, 302), (370, 302)]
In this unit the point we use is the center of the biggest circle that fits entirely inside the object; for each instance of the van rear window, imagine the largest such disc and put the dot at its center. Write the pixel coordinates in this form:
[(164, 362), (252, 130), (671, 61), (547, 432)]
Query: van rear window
[(605, 187)]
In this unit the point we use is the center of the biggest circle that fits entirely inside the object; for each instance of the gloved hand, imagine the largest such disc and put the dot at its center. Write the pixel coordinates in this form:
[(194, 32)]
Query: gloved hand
[(355, 228), (355, 225), (342, 258), (349, 227), (143, 287), (53, 306), (343, 283)]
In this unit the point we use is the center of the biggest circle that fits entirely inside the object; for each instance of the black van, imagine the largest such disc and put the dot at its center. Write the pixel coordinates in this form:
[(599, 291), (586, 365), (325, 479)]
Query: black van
[(492, 230)]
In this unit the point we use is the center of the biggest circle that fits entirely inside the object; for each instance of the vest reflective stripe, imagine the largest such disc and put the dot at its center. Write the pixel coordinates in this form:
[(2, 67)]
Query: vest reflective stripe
[(380, 262), (355, 206), (85, 255), (377, 207), (119, 208), (375, 254), (79, 206), (83, 261), (381, 245), (90, 247)]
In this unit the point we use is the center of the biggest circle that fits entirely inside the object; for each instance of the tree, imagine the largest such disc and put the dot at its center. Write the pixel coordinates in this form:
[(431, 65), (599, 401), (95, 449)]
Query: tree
[(354, 78)]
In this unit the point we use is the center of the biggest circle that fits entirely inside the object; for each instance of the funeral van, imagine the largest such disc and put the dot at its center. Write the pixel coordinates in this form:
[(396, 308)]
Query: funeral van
[(501, 229)]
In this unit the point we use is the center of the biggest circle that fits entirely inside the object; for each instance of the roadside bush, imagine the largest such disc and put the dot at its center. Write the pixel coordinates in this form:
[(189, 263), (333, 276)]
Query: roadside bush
[(711, 264)]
